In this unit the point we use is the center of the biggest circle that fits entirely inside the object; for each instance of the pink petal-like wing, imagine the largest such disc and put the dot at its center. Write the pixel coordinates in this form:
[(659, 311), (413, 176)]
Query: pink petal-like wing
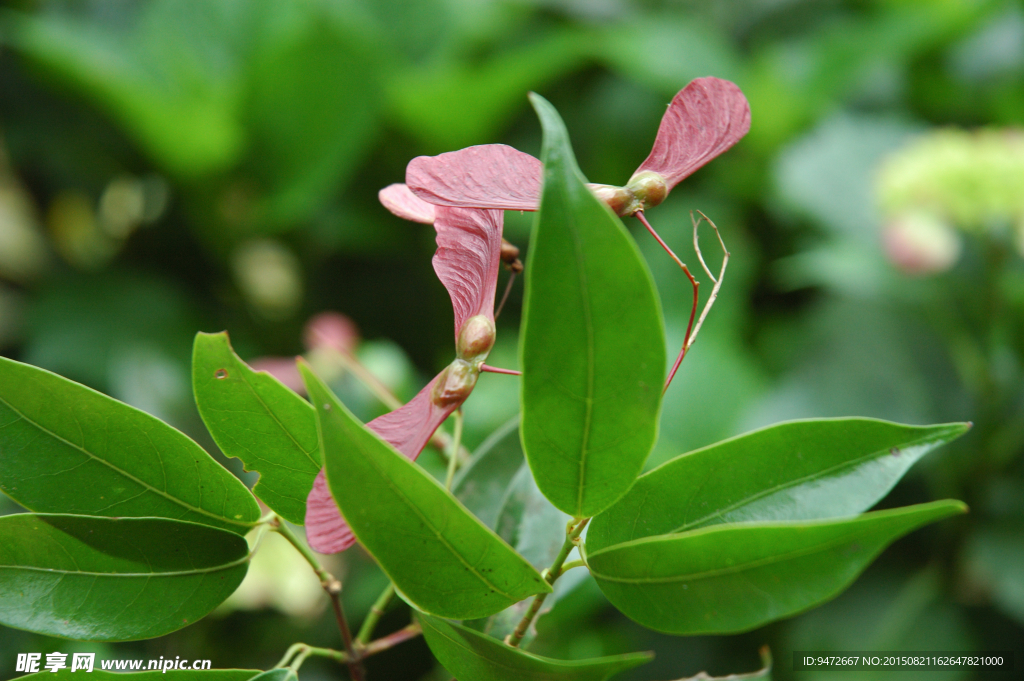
[(484, 176), (707, 117), (326, 530), (407, 429), (399, 200), (410, 427), (467, 259)]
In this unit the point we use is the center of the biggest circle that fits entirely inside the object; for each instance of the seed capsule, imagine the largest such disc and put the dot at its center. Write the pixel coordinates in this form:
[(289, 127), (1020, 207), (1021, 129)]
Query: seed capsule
[(476, 338), (455, 383)]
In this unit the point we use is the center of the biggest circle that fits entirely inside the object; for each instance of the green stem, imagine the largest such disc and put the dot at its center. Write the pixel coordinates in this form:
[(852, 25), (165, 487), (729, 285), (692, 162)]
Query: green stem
[(571, 565), (289, 654), (300, 651), (333, 588), (377, 610), (307, 650), (453, 456), (572, 538)]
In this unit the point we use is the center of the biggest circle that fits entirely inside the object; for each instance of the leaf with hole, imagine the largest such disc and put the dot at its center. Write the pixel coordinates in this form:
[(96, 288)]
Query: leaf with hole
[(252, 416), (731, 578), (442, 559), (65, 448), (592, 346), (113, 579), (800, 470), (472, 656)]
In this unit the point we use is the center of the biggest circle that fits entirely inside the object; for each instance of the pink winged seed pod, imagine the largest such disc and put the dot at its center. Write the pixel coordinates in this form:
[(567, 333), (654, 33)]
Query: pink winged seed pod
[(467, 262), (703, 120)]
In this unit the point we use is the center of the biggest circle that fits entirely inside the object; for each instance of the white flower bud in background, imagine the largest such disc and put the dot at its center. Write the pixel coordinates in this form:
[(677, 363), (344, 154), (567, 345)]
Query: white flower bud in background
[(920, 243), (269, 277)]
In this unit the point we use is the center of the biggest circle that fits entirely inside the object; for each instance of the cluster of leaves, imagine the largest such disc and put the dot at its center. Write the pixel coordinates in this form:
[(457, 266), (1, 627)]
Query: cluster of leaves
[(134, 531), (103, 101)]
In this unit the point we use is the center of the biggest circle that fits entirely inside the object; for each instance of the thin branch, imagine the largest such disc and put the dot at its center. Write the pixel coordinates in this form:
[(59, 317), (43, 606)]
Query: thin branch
[(349, 362), (572, 540), (504, 296), (377, 611), (497, 370), (300, 651), (721, 274), (332, 586), (308, 650), (693, 309), (289, 654), (391, 640), (453, 458), (570, 565)]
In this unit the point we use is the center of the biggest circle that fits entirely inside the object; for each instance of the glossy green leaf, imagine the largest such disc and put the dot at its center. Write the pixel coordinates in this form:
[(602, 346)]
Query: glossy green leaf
[(252, 416), (98, 674), (472, 656), (442, 559), (801, 470), (65, 448), (732, 578), (113, 579), (593, 348), (482, 483)]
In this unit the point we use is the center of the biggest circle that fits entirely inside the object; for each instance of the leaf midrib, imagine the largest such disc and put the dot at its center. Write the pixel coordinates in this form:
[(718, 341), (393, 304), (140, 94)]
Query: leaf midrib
[(799, 481), (92, 573), (733, 569), (141, 483), (273, 415), (589, 323)]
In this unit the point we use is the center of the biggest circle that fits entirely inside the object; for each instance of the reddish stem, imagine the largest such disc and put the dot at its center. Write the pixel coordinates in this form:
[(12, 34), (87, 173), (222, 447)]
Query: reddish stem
[(496, 370), (504, 297), (696, 300), (411, 631)]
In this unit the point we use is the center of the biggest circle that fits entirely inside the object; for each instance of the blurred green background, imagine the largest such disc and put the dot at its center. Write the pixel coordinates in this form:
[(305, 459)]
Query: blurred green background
[(170, 166)]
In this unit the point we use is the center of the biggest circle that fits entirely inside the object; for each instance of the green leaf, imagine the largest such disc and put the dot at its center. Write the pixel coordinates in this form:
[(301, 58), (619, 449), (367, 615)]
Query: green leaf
[(472, 656), (732, 578), (313, 115), (481, 484), (156, 71), (455, 103), (65, 448), (252, 416), (113, 579), (593, 349), (442, 559), (98, 674), (801, 470)]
